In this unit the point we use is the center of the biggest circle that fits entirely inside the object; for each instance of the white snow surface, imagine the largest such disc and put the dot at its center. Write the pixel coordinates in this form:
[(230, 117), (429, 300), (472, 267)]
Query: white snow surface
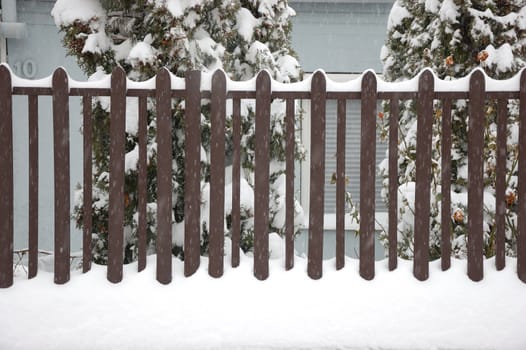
[(396, 16), (287, 311), (178, 7), (103, 81), (66, 12), (245, 23)]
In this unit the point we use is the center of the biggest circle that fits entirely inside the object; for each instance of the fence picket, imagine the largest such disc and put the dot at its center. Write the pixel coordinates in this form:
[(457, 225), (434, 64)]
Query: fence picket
[(367, 175), (500, 184), (116, 198), (235, 234), (521, 191), (6, 180), (261, 176), (476, 174), (87, 220), (164, 176), (62, 181), (445, 243), (423, 174), (33, 185), (217, 175), (393, 182), (192, 185), (142, 182), (340, 183), (192, 94), (289, 187), (317, 171)]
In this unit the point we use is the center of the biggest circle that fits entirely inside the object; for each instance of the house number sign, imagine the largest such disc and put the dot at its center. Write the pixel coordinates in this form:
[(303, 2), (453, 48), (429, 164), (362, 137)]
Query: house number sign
[(26, 68)]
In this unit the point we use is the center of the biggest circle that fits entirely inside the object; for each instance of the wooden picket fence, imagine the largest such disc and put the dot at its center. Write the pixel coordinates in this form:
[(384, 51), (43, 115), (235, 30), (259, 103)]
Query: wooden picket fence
[(195, 87)]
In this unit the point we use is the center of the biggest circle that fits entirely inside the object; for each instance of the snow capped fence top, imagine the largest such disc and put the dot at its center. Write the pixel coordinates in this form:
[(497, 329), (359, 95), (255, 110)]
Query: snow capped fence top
[(103, 81), (425, 88)]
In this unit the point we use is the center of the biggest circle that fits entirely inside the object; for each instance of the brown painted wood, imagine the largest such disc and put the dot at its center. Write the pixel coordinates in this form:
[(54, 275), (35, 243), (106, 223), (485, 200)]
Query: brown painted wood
[(500, 185), (367, 175), (445, 243), (87, 224), (261, 179), (33, 185), (521, 212), (424, 106), (116, 196), (142, 182), (340, 183), (192, 185), (6, 180), (217, 175), (61, 170), (476, 175), (289, 186), (235, 233), (393, 183), (317, 174), (164, 176)]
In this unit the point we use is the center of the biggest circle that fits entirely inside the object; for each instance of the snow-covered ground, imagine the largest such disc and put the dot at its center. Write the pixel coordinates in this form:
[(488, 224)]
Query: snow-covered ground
[(287, 311)]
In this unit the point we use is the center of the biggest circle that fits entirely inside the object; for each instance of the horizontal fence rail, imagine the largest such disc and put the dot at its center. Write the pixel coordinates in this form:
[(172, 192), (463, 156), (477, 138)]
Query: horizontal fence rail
[(425, 89)]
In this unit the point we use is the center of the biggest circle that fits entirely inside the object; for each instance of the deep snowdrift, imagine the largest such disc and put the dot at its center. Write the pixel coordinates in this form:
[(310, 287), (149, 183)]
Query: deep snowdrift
[(287, 311)]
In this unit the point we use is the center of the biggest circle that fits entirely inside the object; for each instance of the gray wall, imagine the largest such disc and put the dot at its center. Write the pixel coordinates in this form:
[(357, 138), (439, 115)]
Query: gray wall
[(340, 37), (35, 57)]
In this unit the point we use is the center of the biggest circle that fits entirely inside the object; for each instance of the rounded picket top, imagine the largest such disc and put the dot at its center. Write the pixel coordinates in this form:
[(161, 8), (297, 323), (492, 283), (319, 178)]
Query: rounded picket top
[(60, 78), (369, 81), (118, 78), (5, 78), (477, 80), (426, 81), (163, 78), (219, 80), (319, 80)]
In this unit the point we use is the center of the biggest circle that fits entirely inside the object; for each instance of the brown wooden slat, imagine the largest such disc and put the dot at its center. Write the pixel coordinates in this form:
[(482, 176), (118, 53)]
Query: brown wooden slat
[(116, 196), (289, 186), (164, 176), (296, 95), (382, 95), (521, 210), (476, 175), (192, 182), (401, 95), (217, 175), (317, 174), (235, 234), (61, 170), (445, 244), (33, 185), (393, 183), (40, 91), (424, 107), (82, 91), (345, 95), (495, 95), (142, 182), (367, 175), (87, 224), (500, 185), (261, 180), (340, 183), (6, 180)]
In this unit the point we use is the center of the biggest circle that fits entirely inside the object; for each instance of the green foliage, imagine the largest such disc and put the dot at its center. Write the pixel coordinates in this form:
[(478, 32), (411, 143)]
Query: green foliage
[(144, 36), (453, 38)]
